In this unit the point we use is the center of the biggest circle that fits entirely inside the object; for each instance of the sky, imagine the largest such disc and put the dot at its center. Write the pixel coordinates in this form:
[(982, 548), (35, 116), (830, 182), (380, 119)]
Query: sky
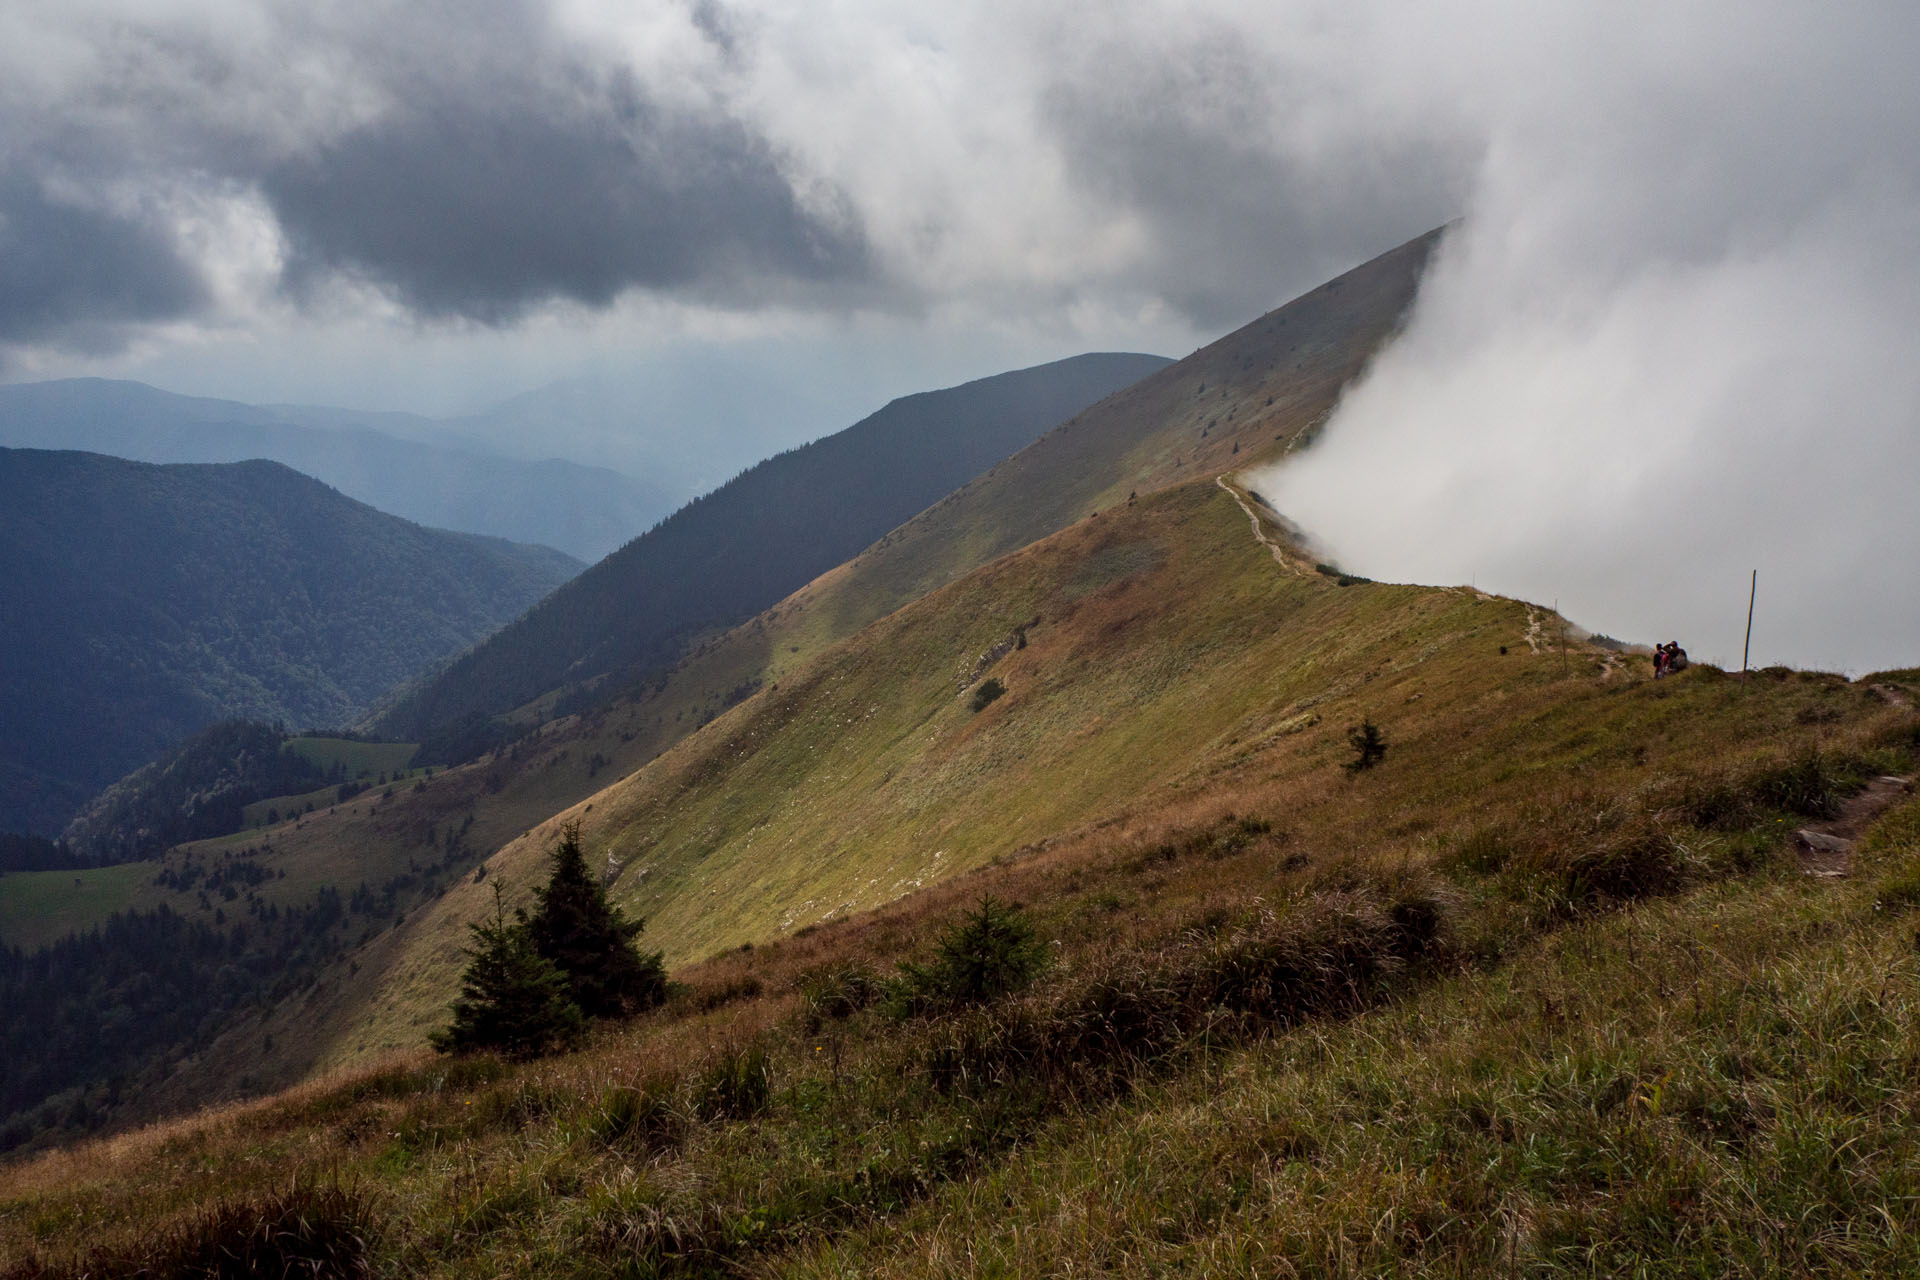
[(432, 206), (1667, 343)]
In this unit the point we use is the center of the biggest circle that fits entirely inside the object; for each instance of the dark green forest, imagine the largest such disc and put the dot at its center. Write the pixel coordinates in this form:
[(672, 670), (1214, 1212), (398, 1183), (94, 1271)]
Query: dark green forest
[(37, 853), (95, 1021), (768, 531), (197, 790), (142, 603)]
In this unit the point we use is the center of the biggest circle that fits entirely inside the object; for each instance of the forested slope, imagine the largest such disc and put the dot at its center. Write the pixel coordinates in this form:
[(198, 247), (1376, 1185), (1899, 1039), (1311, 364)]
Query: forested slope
[(142, 602)]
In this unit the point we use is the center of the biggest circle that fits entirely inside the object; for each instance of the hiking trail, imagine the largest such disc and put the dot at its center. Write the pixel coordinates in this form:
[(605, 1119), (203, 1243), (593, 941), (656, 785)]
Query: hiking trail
[(1280, 557), (1826, 848)]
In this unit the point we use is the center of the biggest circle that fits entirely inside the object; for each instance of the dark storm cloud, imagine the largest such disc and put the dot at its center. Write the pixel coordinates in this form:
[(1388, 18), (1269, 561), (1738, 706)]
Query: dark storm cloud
[(473, 161), (82, 273), (485, 204)]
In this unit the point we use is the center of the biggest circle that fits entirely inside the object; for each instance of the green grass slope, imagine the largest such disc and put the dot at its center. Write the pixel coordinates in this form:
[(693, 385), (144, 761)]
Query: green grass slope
[(1546, 991), (1169, 647)]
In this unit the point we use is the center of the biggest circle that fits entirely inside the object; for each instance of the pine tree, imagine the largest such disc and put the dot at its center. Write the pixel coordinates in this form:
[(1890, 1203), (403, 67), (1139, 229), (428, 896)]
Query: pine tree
[(591, 940), (1369, 746), (989, 953), (511, 998)]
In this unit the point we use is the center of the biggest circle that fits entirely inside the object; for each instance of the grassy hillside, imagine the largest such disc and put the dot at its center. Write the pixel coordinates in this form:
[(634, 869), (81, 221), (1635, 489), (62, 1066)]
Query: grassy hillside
[(1279, 377), (731, 553), (352, 757), (1548, 989), (143, 602)]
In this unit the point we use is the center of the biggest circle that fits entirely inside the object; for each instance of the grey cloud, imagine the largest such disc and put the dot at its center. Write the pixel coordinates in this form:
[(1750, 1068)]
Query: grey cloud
[(1670, 344), (82, 273), (1182, 134), (475, 161), (482, 205)]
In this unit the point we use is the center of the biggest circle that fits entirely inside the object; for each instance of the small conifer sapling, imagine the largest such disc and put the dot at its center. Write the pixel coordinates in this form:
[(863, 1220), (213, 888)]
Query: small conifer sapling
[(1369, 746), (511, 998)]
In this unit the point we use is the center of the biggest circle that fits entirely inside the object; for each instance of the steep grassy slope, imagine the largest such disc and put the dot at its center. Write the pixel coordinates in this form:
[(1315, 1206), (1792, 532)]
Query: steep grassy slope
[(449, 483), (142, 602), (1250, 396), (1545, 991), (1274, 380), (1169, 648), (731, 553)]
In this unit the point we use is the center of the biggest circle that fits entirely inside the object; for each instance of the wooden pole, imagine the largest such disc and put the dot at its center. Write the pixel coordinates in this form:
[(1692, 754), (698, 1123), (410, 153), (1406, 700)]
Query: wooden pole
[(1752, 588), (1563, 637)]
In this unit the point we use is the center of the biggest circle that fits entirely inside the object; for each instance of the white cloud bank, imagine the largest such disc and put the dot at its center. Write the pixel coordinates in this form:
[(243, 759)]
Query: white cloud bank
[(1675, 339)]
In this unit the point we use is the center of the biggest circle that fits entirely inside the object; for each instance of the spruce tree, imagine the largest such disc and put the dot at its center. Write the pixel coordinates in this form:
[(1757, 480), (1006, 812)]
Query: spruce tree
[(591, 940), (1369, 746), (511, 998)]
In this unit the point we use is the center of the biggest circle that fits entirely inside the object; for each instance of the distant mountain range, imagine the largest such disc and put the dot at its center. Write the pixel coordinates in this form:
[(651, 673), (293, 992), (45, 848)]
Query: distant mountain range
[(141, 602), (729, 554), (419, 468)]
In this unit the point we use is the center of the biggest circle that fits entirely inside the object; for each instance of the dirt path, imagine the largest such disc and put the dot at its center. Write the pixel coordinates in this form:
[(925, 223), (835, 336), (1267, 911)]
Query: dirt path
[(1280, 557), (1534, 632), (1826, 848)]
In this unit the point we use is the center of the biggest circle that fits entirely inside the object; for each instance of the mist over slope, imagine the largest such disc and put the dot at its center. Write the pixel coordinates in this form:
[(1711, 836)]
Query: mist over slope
[(1671, 342), (732, 552), (411, 467), (142, 602)]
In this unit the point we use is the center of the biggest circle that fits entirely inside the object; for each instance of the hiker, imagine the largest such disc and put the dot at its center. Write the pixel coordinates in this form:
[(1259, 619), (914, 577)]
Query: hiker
[(1659, 661), (1676, 657)]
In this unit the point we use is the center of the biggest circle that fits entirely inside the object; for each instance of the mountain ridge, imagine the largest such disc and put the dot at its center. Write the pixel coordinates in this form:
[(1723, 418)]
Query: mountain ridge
[(430, 476)]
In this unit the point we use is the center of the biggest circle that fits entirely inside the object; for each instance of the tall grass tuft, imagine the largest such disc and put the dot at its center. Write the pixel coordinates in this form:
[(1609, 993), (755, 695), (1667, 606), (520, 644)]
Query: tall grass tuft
[(325, 1232), (645, 1115), (1091, 1034), (736, 1085)]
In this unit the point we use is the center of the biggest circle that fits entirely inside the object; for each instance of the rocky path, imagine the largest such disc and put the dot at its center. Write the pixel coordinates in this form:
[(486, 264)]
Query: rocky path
[(1280, 556), (1826, 848), (1535, 633)]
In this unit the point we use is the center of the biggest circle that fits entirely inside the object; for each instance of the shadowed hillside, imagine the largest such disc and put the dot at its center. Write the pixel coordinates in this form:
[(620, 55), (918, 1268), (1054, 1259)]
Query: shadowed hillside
[(142, 602), (731, 553)]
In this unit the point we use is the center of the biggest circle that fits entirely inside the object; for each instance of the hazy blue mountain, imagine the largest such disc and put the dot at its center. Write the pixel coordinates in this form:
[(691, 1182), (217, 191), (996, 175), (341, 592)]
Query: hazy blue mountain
[(725, 556), (139, 603), (419, 468)]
